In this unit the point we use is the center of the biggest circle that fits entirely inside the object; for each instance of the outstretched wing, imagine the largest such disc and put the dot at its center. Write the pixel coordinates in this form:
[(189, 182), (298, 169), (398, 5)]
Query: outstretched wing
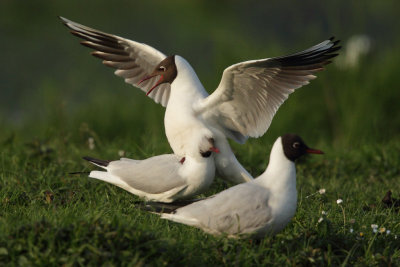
[(132, 60), (251, 92)]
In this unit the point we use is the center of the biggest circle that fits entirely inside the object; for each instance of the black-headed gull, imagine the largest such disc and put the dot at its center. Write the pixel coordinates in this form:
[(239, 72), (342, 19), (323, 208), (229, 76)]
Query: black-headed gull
[(260, 207), (242, 106), (163, 178)]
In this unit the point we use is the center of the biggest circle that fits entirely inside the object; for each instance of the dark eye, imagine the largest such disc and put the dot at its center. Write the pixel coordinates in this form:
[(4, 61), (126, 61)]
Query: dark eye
[(205, 154), (296, 144), (162, 68)]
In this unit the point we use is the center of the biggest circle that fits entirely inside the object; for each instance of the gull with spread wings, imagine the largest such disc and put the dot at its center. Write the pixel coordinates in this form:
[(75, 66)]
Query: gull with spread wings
[(242, 106)]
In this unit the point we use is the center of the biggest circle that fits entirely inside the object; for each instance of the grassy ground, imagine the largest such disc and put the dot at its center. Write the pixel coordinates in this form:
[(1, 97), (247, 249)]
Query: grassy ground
[(54, 97), (48, 217)]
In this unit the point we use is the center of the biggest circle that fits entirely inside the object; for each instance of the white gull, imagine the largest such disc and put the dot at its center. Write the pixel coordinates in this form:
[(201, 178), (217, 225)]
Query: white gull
[(263, 206), (164, 178), (242, 106)]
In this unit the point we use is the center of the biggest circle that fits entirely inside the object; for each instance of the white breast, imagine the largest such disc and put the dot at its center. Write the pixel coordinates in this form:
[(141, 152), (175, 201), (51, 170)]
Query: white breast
[(180, 121)]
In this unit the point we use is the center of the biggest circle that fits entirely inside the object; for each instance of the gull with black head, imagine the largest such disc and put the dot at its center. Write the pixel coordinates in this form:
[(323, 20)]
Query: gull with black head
[(263, 206), (242, 106)]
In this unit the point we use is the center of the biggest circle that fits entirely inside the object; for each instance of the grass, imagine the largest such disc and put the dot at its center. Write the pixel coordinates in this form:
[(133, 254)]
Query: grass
[(60, 97), (48, 217)]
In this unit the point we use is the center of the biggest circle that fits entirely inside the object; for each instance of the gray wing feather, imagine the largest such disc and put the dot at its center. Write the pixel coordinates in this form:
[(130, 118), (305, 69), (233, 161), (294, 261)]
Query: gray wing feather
[(240, 209), (251, 92), (153, 175), (132, 60)]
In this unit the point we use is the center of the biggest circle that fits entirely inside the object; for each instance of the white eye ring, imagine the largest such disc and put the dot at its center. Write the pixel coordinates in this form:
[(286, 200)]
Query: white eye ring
[(296, 145), (162, 68)]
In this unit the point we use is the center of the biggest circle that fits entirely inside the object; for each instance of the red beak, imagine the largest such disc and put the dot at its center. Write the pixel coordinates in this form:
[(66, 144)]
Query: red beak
[(214, 149), (157, 84), (314, 151)]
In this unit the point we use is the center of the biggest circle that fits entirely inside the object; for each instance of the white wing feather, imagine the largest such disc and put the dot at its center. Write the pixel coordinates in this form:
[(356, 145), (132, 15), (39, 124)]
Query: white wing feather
[(251, 92), (132, 60)]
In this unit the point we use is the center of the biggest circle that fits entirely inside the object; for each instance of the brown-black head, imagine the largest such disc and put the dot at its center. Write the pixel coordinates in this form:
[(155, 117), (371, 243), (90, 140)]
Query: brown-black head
[(166, 70), (294, 147)]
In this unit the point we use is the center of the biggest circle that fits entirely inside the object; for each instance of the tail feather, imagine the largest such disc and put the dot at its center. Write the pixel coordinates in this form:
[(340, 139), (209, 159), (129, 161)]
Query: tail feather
[(106, 177), (161, 207), (180, 219)]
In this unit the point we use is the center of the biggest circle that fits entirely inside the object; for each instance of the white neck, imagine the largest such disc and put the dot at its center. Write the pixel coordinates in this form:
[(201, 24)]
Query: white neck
[(280, 175), (186, 84), (199, 173), (280, 180)]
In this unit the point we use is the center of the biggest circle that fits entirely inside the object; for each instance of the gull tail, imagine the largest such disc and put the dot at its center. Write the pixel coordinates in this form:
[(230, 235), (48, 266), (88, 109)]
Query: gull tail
[(180, 219), (164, 208), (111, 179), (105, 176)]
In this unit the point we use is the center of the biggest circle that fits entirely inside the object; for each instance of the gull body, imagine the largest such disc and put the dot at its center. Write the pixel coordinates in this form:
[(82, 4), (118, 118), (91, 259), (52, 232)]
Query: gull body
[(242, 106), (187, 92), (163, 178), (263, 206)]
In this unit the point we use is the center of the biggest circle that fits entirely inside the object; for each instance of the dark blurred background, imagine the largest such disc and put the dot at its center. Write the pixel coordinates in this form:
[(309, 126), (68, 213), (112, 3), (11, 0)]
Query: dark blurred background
[(50, 83)]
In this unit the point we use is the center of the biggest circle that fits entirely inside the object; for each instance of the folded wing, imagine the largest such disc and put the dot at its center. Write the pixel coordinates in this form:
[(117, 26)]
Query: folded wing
[(132, 60), (155, 175), (240, 209), (251, 92)]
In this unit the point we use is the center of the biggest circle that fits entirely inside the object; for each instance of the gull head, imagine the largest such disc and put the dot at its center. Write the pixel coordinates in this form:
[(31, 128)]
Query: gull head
[(165, 70), (201, 145), (207, 146), (294, 147)]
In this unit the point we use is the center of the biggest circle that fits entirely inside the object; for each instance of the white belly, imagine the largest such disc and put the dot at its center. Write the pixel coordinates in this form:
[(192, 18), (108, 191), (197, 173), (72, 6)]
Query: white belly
[(200, 176), (180, 129), (181, 125)]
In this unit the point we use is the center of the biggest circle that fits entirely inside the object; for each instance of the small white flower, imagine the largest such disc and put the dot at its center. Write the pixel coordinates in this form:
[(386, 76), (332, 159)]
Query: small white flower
[(321, 192), (91, 143), (324, 212), (395, 236), (339, 201), (374, 226), (388, 232), (374, 230), (320, 219), (121, 153), (351, 230)]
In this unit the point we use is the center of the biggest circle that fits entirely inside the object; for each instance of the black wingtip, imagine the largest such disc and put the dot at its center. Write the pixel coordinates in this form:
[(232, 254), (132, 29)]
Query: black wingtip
[(98, 162), (316, 55), (77, 173)]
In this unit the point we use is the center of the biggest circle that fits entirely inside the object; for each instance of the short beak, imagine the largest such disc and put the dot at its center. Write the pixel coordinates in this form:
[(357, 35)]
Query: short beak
[(149, 77), (314, 151), (214, 149)]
